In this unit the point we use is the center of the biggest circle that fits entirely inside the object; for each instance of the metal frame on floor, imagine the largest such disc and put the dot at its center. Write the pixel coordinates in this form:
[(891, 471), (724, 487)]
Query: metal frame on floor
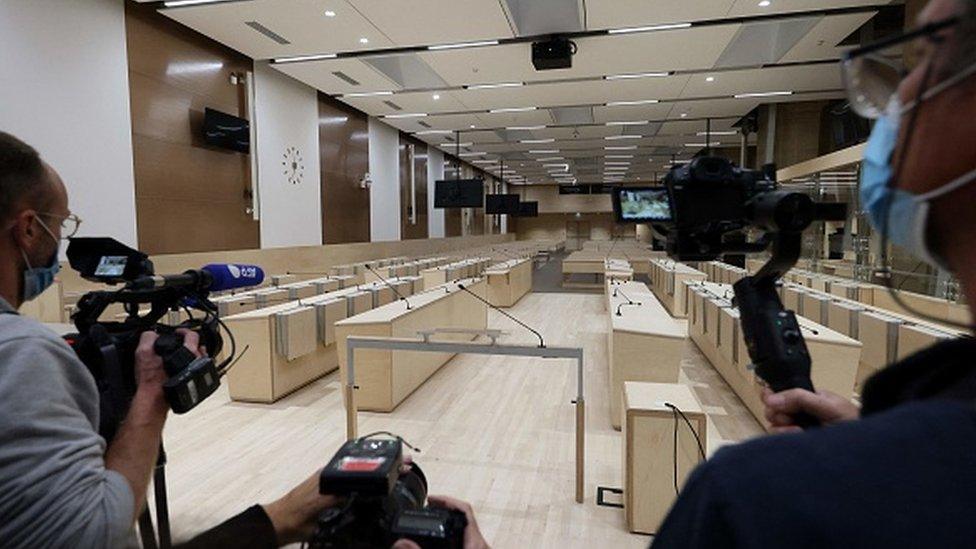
[(474, 348)]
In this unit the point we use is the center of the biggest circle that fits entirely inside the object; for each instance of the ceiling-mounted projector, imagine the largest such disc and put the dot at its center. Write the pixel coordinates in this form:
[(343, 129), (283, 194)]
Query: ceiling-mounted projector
[(555, 53)]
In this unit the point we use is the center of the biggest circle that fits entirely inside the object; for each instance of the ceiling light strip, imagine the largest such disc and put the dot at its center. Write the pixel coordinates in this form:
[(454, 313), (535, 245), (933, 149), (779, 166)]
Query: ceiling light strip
[(461, 45), (303, 58), (762, 94), (651, 28)]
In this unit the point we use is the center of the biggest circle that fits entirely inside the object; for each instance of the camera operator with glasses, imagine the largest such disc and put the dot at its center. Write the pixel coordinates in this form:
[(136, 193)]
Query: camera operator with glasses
[(900, 471), (60, 484)]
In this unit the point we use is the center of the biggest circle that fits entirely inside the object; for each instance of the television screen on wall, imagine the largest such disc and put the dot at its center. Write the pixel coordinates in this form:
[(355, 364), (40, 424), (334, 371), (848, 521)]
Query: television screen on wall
[(226, 131), (528, 209), (502, 204), (459, 193)]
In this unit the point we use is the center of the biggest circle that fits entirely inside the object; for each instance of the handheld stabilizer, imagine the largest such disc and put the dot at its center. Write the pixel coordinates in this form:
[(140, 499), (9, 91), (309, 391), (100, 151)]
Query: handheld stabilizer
[(712, 203), (382, 501), (108, 347)]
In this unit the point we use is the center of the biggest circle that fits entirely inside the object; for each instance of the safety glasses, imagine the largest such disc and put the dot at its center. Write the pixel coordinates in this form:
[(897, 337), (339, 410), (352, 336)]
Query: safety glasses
[(873, 73)]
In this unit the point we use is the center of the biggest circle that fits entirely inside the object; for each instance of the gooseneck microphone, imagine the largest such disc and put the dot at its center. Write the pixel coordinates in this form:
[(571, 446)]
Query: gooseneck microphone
[(629, 302), (542, 343), (385, 281)]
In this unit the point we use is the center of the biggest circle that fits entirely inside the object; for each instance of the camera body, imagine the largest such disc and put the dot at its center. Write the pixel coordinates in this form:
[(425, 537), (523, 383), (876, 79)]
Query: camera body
[(107, 348), (709, 199), (382, 502)]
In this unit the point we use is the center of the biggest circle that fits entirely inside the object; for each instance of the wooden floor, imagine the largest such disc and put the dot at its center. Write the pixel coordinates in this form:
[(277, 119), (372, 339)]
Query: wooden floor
[(495, 431)]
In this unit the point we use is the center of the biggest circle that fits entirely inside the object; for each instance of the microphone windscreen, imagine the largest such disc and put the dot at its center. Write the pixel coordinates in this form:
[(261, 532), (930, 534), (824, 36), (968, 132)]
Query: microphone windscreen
[(230, 276)]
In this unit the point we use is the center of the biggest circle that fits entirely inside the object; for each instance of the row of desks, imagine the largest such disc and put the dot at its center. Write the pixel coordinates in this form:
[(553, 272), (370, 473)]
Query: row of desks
[(714, 326), (466, 268), (509, 281), (668, 281)]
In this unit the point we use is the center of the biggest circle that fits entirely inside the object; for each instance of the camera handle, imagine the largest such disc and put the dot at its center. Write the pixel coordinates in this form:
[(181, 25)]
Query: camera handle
[(772, 334)]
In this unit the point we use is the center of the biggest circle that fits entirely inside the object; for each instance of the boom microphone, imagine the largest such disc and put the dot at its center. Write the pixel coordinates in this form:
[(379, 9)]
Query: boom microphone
[(216, 277), (542, 342), (387, 282)]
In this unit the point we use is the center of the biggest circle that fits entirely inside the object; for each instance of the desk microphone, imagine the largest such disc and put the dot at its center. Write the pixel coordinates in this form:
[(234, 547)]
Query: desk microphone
[(542, 343), (629, 302), (391, 286)]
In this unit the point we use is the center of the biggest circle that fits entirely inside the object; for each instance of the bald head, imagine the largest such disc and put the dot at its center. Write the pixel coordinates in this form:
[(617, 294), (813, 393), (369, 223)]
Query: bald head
[(26, 181)]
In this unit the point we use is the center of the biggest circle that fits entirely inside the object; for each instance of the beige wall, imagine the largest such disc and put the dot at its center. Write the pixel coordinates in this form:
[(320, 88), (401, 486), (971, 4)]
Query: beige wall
[(554, 227)]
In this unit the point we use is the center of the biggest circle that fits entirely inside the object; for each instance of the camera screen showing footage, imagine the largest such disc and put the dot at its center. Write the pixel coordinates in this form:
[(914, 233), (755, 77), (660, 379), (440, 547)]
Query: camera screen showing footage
[(641, 204)]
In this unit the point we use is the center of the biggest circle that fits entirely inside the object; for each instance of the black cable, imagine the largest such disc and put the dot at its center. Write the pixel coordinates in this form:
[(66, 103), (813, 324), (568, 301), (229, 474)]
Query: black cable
[(675, 411), (542, 343)]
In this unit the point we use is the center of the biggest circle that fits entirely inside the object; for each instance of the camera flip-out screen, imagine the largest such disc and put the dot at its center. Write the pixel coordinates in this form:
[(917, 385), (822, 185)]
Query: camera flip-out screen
[(641, 204)]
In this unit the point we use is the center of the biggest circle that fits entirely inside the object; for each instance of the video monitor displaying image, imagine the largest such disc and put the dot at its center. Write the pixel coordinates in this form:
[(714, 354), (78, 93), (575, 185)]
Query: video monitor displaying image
[(641, 204)]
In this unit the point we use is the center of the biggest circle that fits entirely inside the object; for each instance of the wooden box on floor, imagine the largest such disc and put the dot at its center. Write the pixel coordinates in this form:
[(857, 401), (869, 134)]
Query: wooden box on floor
[(508, 282), (385, 378), (645, 343), (648, 456)]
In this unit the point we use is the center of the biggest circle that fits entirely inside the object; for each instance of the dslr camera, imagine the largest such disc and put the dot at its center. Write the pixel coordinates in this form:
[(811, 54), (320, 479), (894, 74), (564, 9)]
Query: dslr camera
[(382, 501)]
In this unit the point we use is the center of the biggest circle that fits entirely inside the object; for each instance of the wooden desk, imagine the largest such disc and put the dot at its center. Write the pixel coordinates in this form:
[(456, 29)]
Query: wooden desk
[(583, 263), (386, 378), (648, 453), (644, 343), (509, 281), (468, 268), (669, 286)]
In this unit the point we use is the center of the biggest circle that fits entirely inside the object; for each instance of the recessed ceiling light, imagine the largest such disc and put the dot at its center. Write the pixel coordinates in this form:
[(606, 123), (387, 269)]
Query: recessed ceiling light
[(433, 132), (180, 3), (652, 28), (709, 79), (525, 128), (616, 137), (408, 115), (553, 151), (684, 115), (364, 40), (764, 3), (536, 141), (638, 102), (300, 58), (550, 158), (512, 109), (762, 94), (637, 75), (706, 134), (436, 96), (493, 86), (712, 144), (471, 126), (367, 94), (459, 144), (463, 45), (621, 148), (629, 123), (473, 154), (620, 156), (617, 163), (330, 13)]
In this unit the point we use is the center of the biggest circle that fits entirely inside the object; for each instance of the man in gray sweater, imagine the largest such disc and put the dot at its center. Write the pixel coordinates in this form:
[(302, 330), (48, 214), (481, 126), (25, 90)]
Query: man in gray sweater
[(61, 485)]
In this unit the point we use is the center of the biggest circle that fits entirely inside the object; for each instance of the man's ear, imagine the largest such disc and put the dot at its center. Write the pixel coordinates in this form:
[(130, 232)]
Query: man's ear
[(24, 229)]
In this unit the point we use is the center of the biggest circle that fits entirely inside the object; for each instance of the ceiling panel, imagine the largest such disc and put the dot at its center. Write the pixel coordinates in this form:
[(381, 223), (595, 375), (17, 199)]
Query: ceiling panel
[(743, 8), (408, 102), (609, 14), (501, 120), (427, 22), (301, 22), (597, 56), (659, 111), (321, 75), (821, 41), (804, 78), (574, 93)]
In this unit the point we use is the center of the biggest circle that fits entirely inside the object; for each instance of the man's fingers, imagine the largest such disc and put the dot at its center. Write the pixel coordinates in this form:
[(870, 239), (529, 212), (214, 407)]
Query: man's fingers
[(785, 430), (191, 340), (146, 341), (792, 401)]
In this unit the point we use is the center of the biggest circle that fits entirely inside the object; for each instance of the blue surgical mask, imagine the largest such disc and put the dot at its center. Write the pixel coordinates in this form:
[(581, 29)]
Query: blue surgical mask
[(38, 279), (908, 214)]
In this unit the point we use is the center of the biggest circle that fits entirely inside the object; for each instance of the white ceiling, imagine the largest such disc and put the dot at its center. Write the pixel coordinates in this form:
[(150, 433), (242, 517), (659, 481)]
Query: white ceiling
[(696, 87)]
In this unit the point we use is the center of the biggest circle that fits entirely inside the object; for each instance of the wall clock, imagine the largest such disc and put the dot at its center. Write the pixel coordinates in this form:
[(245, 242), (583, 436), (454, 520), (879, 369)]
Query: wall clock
[(293, 165)]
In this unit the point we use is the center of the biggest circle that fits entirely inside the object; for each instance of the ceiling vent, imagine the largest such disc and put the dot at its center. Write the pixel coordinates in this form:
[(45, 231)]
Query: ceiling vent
[(407, 71), (345, 78), (765, 42), (268, 32), (393, 105)]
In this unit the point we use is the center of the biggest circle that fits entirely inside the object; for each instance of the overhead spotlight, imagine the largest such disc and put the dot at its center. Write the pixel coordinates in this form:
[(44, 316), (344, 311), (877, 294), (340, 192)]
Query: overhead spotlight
[(330, 13), (684, 115), (364, 40), (709, 79), (764, 3), (436, 96)]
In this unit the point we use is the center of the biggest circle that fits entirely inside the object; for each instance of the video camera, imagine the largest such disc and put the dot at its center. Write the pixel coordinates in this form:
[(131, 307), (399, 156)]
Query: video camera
[(382, 502), (712, 202), (107, 348)]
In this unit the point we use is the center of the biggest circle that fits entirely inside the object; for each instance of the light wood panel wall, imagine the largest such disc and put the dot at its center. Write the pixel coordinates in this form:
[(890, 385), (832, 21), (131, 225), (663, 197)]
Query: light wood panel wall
[(553, 227), (189, 196), (344, 159)]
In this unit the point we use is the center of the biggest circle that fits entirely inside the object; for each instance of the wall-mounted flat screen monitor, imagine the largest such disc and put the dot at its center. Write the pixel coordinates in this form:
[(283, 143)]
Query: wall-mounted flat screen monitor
[(502, 204), (641, 204), (226, 131), (459, 193), (529, 209), (574, 189)]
